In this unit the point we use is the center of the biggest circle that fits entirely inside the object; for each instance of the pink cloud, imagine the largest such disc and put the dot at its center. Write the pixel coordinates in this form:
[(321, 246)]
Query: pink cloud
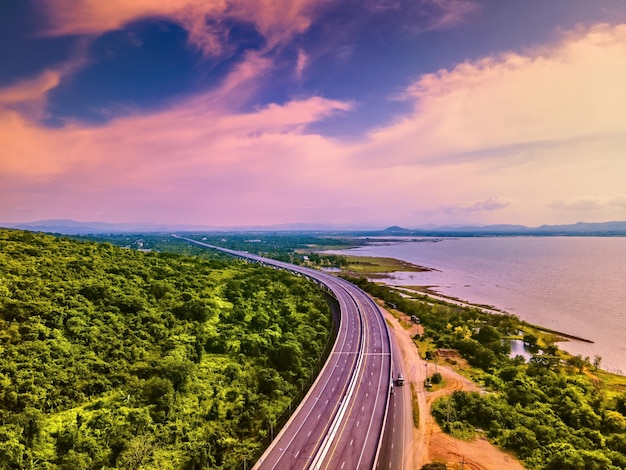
[(452, 13), (481, 128), (199, 156), (277, 20), (301, 63), (33, 89), (29, 96)]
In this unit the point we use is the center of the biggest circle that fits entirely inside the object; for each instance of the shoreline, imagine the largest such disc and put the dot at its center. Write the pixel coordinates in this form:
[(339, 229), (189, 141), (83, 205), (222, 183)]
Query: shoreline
[(376, 269), (429, 293), (553, 307)]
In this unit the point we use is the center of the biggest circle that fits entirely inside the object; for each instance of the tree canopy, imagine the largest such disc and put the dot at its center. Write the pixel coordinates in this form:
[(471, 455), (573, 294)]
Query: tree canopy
[(114, 358)]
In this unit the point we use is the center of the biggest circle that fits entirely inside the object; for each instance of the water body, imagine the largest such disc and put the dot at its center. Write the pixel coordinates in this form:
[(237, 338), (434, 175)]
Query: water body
[(518, 348), (575, 285)]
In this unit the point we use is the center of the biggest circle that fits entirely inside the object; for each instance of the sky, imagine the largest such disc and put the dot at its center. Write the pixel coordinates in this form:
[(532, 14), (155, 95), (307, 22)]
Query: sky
[(344, 112)]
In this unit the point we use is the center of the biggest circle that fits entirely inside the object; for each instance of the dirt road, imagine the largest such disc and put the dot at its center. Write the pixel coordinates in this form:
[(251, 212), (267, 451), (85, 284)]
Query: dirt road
[(429, 442)]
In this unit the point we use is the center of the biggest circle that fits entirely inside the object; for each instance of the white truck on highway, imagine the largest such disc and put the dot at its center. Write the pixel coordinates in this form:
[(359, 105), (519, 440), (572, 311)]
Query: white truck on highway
[(400, 379)]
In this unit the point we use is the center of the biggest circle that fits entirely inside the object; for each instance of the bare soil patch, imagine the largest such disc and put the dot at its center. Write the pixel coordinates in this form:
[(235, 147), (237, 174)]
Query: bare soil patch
[(430, 443)]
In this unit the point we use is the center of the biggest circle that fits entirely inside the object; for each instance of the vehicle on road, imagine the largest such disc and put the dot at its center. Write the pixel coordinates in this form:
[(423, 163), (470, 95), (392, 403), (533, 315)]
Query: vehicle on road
[(400, 379)]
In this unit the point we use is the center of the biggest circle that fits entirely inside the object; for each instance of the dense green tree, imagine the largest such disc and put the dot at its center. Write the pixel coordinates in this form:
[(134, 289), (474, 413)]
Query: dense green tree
[(434, 466), (120, 359)]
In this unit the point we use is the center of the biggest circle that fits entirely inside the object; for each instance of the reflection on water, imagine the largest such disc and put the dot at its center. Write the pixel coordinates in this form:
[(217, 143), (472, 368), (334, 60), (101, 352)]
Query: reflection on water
[(519, 348)]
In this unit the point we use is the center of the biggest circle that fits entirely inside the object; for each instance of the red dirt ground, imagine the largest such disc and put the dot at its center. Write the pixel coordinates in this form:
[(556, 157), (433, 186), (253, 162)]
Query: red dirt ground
[(430, 443)]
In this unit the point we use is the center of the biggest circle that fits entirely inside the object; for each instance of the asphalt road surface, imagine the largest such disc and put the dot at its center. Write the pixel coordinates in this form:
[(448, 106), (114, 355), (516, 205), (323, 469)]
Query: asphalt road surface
[(340, 422)]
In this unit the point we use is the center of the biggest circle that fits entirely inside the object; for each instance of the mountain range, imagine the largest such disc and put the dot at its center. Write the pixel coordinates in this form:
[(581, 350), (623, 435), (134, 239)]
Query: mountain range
[(615, 228), (72, 227)]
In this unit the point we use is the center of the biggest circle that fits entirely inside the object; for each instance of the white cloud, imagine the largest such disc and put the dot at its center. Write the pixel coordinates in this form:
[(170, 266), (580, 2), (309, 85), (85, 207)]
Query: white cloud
[(571, 91), (546, 125), (492, 203), (590, 203)]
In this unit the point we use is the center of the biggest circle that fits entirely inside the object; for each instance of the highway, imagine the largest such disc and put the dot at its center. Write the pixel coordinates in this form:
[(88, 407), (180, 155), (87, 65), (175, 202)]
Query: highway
[(340, 422), (397, 445)]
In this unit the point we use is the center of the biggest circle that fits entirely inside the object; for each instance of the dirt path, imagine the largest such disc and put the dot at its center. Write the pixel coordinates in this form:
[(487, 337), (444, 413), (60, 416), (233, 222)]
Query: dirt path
[(429, 441)]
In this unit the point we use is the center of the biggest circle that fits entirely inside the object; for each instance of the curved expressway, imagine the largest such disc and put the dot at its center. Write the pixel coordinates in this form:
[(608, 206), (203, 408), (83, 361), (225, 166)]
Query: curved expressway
[(339, 424)]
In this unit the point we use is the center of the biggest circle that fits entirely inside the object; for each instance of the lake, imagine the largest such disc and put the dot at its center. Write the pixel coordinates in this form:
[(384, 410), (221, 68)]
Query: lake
[(575, 285)]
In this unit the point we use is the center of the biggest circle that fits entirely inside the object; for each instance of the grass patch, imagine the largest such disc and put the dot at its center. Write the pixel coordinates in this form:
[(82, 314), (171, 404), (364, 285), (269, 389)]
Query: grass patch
[(377, 265), (434, 387), (614, 382), (460, 430), (424, 345), (415, 409)]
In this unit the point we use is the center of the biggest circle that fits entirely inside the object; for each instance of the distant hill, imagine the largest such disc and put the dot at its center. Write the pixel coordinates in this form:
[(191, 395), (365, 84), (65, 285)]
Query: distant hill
[(395, 230), (615, 228), (584, 227), (72, 227)]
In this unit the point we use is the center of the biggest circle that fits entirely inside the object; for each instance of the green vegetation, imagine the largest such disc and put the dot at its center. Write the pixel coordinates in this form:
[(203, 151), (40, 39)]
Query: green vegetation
[(325, 261), (292, 247), (554, 412), (415, 407), (434, 466), (377, 265), (113, 358)]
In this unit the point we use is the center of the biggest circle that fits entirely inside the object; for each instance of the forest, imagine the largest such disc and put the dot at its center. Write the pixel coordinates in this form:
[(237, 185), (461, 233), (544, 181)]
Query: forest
[(292, 247), (116, 358), (554, 412)]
